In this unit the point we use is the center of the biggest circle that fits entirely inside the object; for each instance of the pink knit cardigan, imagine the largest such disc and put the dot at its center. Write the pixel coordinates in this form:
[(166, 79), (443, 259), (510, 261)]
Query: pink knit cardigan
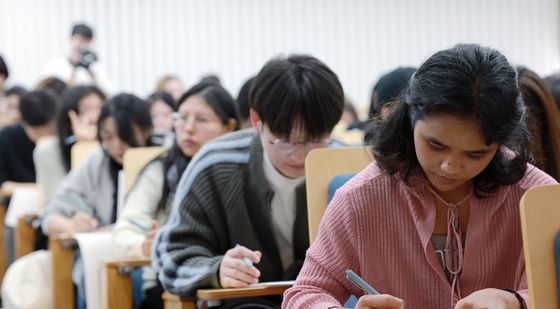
[(380, 227)]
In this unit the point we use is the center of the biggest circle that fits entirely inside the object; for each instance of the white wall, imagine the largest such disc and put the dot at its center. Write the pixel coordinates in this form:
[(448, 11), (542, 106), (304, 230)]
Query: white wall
[(140, 40)]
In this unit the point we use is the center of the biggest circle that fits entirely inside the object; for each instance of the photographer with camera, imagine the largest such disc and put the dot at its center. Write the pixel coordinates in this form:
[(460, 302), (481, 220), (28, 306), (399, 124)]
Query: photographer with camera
[(81, 67)]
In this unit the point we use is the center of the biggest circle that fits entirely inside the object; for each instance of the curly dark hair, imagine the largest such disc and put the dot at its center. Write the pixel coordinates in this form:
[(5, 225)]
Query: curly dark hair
[(466, 81)]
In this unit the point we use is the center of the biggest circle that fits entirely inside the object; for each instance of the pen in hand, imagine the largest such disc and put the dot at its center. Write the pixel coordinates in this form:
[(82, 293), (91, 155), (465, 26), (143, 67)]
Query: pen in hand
[(361, 283), (246, 260)]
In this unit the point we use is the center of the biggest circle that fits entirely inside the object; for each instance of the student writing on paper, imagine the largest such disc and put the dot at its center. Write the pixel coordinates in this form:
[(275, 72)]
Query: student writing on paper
[(86, 198), (76, 121), (205, 111), (434, 221), (247, 187)]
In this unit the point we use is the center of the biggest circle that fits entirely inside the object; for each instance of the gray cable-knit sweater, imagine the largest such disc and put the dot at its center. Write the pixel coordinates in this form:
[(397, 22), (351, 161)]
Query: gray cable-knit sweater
[(223, 199)]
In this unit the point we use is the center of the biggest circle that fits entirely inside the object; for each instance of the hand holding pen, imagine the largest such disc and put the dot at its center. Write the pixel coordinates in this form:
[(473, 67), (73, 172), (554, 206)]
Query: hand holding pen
[(150, 234), (83, 222), (236, 268), (372, 299)]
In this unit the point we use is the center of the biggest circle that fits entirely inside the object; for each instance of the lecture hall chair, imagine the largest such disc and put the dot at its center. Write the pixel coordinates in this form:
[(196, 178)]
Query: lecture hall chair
[(62, 246), (119, 289), (540, 222)]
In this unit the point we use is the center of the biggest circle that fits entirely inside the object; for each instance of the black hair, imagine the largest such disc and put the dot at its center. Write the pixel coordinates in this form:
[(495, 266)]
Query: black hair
[(466, 81), (299, 89), (71, 102), (82, 30), (163, 96), (217, 97), (543, 121), (223, 105), (127, 110), (243, 99), (4, 68), (388, 89), (553, 82), (210, 79), (17, 90), (38, 108), (55, 84)]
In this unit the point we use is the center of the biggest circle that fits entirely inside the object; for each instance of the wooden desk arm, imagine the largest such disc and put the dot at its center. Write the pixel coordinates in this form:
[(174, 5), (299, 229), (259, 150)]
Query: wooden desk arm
[(119, 282), (177, 302), (3, 248), (62, 250), (220, 294), (172, 301), (25, 235)]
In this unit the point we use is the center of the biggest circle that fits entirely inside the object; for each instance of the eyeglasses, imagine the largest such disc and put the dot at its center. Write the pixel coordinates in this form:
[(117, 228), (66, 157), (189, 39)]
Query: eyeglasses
[(287, 147), (284, 146), (199, 121)]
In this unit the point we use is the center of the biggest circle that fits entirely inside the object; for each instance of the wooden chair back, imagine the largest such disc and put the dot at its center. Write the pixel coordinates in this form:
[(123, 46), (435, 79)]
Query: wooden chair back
[(81, 150), (540, 222), (321, 165), (135, 159)]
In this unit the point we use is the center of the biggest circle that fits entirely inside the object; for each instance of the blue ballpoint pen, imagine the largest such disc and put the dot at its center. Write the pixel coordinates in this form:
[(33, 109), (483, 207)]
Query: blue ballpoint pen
[(361, 283)]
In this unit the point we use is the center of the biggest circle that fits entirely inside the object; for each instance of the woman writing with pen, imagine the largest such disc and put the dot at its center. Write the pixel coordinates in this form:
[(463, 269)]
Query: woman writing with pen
[(86, 198), (434, 221), (204, 112)]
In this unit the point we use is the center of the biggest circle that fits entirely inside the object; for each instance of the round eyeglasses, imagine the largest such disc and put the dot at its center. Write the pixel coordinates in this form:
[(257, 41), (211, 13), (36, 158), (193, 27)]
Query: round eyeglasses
[(287, 147)]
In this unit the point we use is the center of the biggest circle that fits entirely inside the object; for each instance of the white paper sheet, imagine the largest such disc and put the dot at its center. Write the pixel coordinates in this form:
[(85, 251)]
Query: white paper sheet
[(121, 178), (24, 201), (95, 248)]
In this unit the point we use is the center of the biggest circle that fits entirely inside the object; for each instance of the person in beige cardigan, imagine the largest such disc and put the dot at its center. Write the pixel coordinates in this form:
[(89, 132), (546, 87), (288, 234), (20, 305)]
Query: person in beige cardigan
[(205, 112)]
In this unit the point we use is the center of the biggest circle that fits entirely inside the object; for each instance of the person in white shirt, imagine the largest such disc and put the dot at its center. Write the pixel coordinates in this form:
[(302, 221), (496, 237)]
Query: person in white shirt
[(81, 66)]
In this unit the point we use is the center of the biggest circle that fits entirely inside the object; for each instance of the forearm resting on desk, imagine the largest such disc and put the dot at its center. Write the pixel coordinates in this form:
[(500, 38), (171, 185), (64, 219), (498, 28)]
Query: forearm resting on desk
[(80, 222), (8, 187)]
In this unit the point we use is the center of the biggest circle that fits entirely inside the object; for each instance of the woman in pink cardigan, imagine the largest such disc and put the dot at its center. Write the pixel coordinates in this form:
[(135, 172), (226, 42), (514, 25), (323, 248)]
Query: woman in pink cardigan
[(434, 222)]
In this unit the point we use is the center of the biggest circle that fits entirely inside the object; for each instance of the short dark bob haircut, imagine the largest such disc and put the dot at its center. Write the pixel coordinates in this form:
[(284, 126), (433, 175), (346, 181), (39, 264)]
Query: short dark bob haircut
[(127, 110), (466, 81), (297, 90)]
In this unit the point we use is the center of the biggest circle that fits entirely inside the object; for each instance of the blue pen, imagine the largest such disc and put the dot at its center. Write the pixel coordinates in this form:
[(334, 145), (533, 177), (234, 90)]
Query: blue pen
[(245, 259), (140, 226), (361, 283)]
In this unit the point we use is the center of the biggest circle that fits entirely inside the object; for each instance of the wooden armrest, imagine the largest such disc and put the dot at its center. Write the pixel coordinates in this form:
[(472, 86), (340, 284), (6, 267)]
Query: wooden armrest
[(62, 251), (3, 249), (25, 235), (172, 301), (219, 294), (125, 266), (119, 283)]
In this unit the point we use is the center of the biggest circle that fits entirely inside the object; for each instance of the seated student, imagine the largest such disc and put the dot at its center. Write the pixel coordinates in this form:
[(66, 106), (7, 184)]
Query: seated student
[(55, 84), (9, 106), (243, 103), (162, 106), (434, 221), (86, 198), (37, 109), (76, 121), (170, 84), (388, 89), (204, 112), (243, 195), (4, 74), (543, 121)]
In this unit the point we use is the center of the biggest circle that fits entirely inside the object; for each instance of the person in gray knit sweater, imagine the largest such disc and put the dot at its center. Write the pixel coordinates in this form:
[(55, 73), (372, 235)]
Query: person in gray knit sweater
[(242, 196)]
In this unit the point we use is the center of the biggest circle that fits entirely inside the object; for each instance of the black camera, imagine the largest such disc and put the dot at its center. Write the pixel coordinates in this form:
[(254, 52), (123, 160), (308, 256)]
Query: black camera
[(87, 58)]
